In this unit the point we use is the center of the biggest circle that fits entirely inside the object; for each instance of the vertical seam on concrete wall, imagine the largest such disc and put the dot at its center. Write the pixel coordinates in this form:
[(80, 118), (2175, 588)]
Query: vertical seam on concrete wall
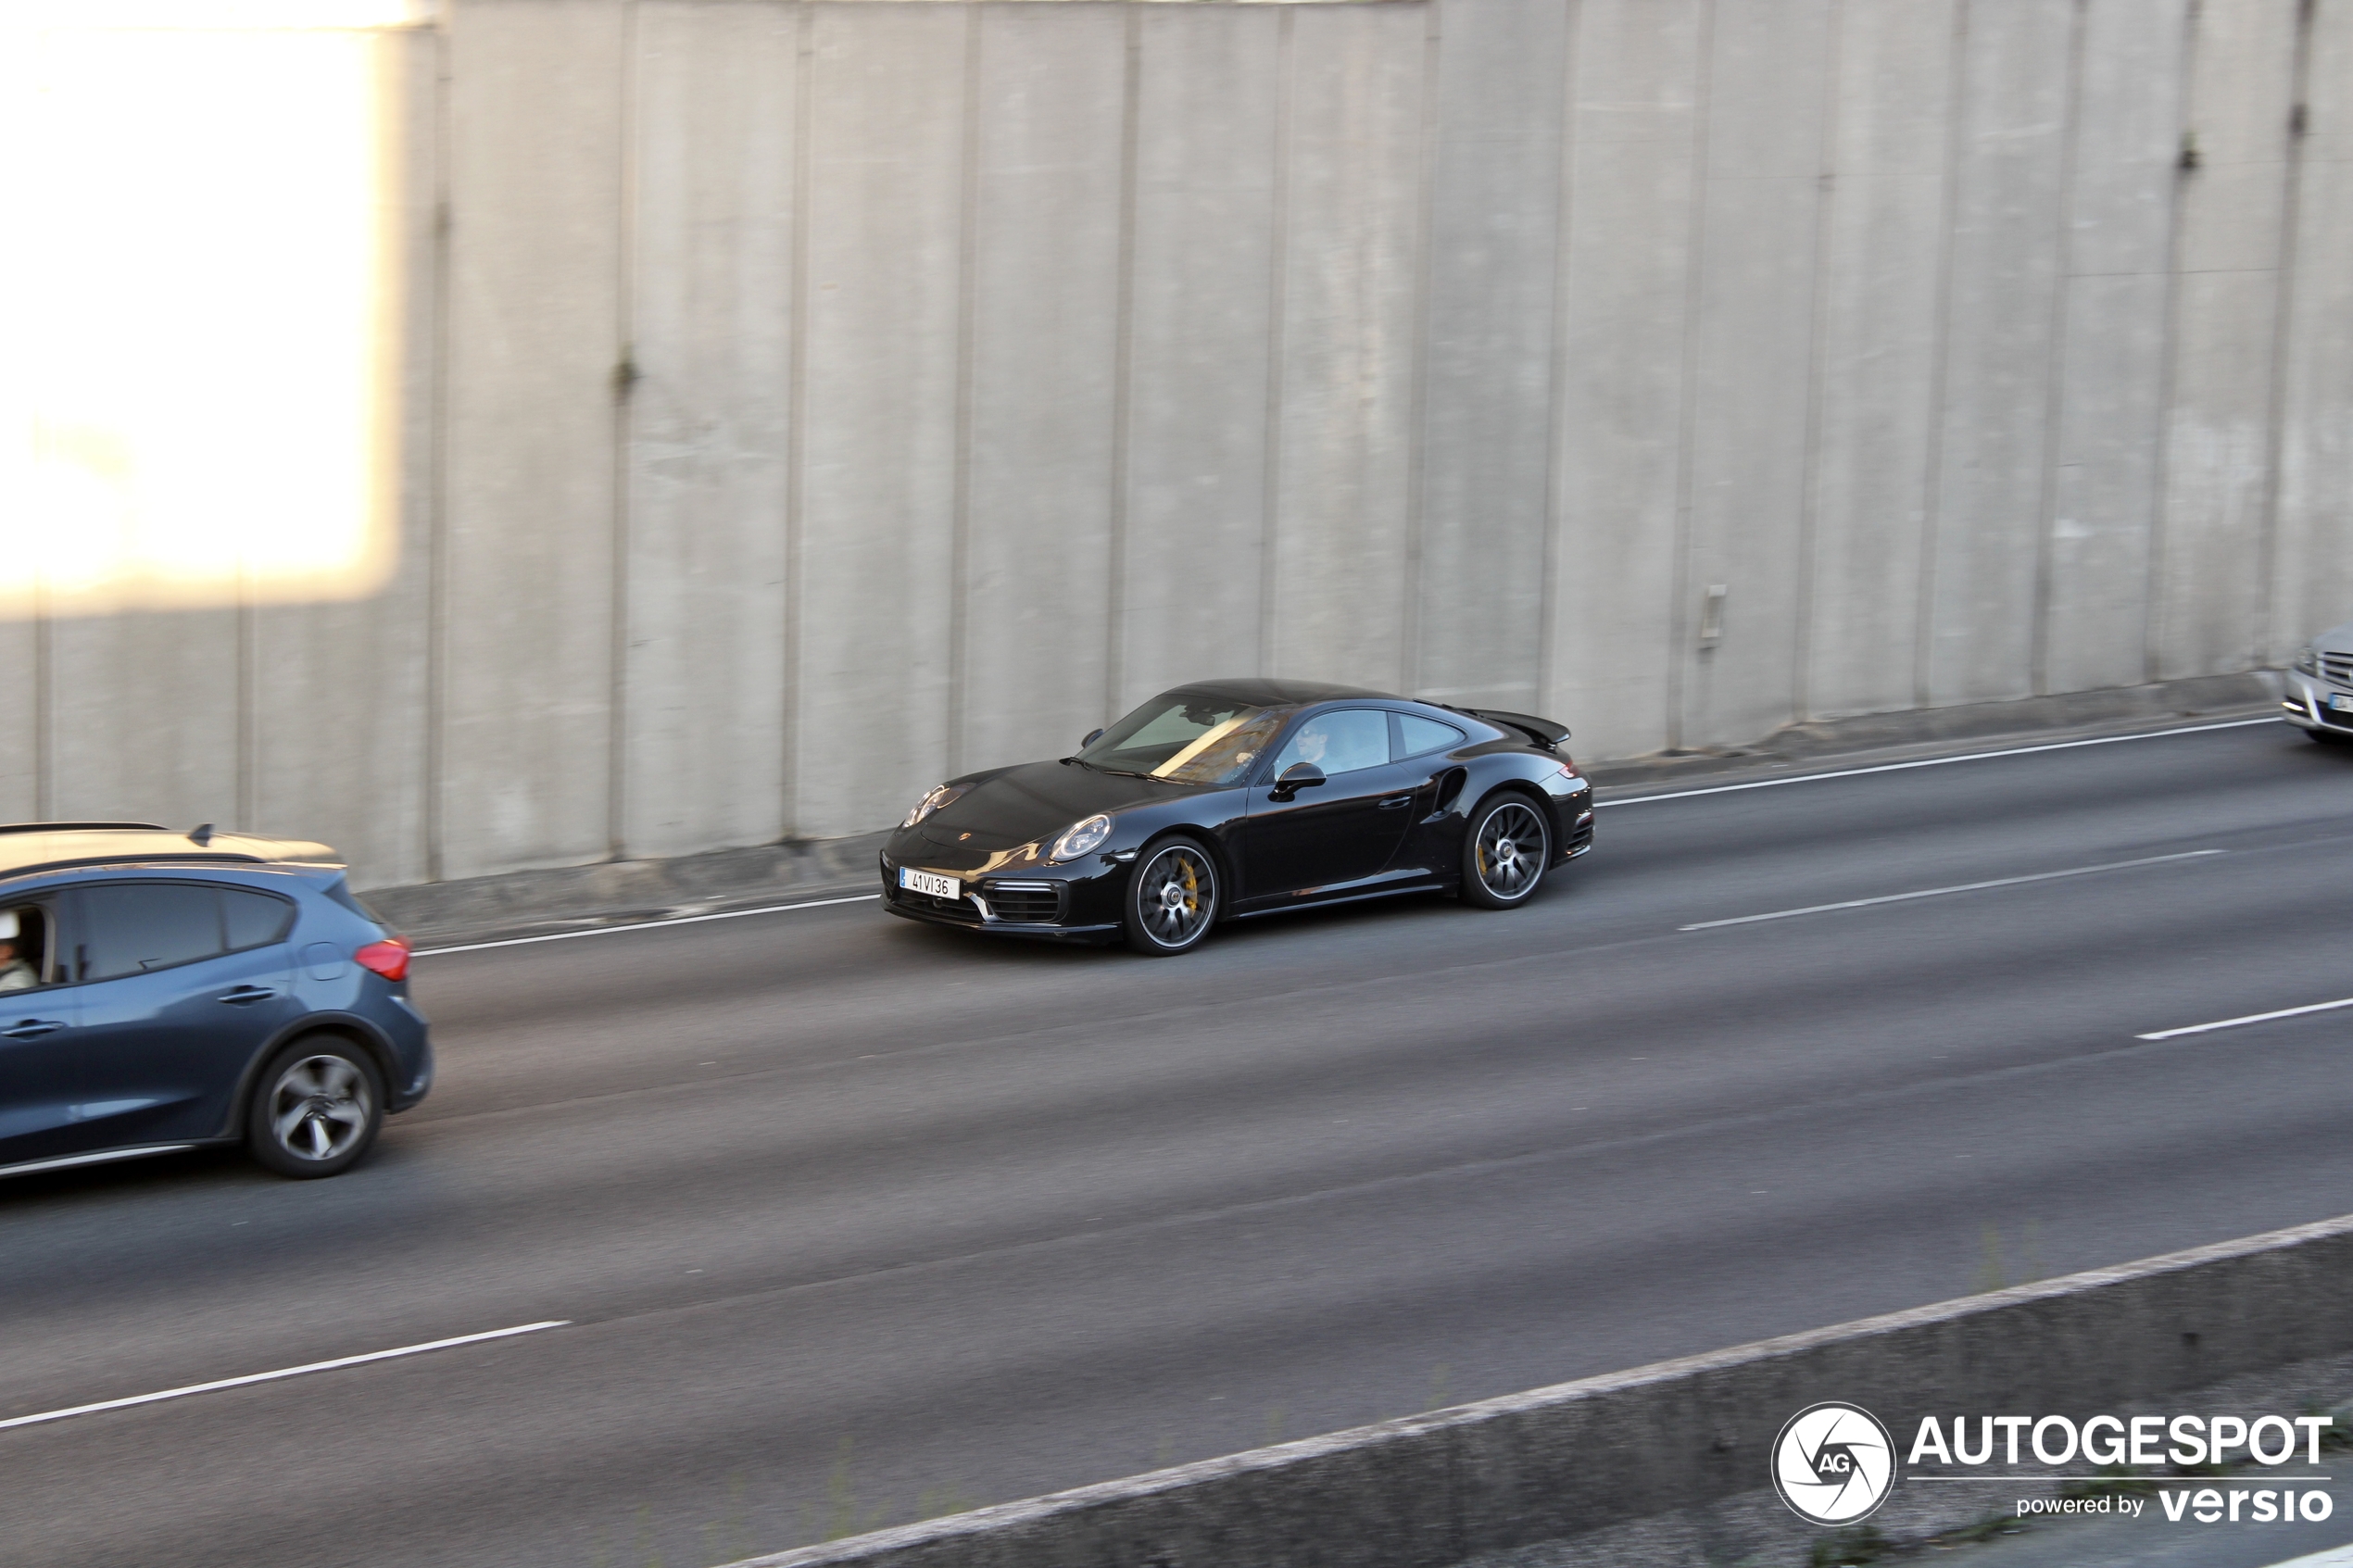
[(2153, 617), (1695, 261), (796, 411), (247, 631), (961, 502), (2055, 377), (1122, 369), (1277, 311), (1556, 437), (44, 703), (437, 470), (1940, 370), (2268, 648), (1409, 641), (1809, 503), (624, 379)]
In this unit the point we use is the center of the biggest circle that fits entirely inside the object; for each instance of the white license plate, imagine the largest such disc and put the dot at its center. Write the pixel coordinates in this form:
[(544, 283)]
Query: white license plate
[(2340, 704), (924, 882)]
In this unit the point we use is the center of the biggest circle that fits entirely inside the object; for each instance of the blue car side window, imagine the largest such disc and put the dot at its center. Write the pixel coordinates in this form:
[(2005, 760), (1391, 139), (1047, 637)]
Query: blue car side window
[(252, 920), (24, 947), (138, 927)]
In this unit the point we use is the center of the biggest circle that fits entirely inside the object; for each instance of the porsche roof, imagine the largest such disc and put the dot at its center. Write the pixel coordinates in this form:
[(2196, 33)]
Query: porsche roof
[(1267, 693)]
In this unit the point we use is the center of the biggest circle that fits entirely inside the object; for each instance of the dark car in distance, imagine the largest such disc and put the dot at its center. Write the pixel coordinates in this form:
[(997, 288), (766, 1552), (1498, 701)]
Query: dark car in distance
[(161, 991), (1225, 799)]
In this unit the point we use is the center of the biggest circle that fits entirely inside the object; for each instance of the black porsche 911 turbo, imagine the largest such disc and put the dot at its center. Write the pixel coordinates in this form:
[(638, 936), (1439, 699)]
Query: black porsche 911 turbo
[(1225, 799)]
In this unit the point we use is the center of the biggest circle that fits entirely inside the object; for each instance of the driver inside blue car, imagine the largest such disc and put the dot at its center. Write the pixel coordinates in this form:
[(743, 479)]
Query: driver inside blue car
[(15, 973)]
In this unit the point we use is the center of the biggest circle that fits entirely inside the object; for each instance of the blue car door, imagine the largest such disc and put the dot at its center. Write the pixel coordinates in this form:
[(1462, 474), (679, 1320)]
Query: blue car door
[(44, 1099), (177, 985)]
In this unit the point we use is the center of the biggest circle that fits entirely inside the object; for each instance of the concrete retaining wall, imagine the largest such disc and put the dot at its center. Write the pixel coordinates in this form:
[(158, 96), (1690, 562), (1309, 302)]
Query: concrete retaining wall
[(808, 399), (1597, 1455)]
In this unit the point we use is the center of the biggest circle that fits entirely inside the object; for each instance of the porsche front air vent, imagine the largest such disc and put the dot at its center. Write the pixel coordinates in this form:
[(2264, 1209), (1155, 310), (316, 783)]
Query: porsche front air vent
[(1033, 901)]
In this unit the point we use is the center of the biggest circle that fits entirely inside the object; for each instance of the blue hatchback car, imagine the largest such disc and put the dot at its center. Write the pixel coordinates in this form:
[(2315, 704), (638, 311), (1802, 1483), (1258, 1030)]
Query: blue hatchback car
[(161, 991)]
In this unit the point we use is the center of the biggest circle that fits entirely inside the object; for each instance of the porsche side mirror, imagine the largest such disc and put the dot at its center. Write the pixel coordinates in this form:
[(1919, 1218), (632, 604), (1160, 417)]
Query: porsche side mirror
[(1297, 776), (1093, 736)]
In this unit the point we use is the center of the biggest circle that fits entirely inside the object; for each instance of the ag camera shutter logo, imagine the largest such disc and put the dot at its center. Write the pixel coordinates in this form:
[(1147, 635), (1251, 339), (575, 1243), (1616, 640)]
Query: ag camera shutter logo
[(1833, 1463)]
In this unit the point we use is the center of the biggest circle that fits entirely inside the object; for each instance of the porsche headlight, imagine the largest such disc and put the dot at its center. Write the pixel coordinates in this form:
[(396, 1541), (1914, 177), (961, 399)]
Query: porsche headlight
[(934, 798), (1081, 838), (2308, 662)]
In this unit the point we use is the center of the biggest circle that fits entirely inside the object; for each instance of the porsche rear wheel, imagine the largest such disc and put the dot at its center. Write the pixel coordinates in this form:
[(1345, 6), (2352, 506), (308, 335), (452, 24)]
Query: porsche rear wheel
[(1171, 899), (1504, 853)]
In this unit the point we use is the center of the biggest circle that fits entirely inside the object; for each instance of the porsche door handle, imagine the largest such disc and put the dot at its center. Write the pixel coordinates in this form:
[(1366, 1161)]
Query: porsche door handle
[(34, 1028), (1394, 801), (243, 993)]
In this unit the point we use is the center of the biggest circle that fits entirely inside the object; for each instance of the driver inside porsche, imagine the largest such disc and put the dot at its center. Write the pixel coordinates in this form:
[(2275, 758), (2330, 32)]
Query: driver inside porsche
[(19, 945)]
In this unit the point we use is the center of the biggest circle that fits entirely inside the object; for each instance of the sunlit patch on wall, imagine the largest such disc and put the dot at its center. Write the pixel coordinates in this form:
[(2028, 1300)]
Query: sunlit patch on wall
[(200, 292)]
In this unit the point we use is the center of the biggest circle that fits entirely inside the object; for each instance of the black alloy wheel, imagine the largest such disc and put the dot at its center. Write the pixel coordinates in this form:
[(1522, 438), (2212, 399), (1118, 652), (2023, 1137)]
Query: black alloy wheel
[(316, 1108), (1171, 899), (1504, 853)]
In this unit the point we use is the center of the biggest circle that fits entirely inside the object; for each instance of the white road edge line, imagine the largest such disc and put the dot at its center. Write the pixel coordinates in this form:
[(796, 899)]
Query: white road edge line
[(1965, 887), (274, 1377), (1936, 763), (2250, 1018), (646, 925)]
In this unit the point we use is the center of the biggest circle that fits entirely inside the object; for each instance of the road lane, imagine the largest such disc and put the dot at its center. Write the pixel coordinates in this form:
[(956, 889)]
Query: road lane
[(1008, 1218)]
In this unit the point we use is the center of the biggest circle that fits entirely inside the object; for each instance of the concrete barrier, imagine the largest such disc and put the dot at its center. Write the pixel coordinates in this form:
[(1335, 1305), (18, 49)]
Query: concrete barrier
[(1600, 1456)]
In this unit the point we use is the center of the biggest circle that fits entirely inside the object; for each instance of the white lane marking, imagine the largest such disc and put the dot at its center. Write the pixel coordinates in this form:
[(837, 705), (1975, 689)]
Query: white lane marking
[(2336, 1557), (646, 925), (2250, 1018), (1940, 892), (1934, 762), (284, 1372)]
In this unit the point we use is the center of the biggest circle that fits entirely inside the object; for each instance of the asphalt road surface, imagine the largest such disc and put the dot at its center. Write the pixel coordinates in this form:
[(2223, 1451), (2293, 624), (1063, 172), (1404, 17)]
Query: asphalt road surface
[(851, 1219)]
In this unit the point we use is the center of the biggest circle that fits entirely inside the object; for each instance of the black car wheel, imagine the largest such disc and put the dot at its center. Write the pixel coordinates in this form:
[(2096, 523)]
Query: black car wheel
[(316, 1108), (1504, 853), (1171, 899)]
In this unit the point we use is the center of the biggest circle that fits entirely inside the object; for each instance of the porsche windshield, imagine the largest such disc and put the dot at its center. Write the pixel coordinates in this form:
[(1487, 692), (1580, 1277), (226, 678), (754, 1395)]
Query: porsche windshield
[(1187, 738)]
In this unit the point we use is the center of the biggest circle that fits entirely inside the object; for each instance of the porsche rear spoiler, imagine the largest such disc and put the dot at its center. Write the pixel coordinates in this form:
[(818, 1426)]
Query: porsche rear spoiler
[(1543, 732)]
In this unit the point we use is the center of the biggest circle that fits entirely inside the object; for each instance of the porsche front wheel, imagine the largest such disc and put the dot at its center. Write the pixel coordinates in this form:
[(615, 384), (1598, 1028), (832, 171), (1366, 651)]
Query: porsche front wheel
[(1171, 899), (1504, 853)]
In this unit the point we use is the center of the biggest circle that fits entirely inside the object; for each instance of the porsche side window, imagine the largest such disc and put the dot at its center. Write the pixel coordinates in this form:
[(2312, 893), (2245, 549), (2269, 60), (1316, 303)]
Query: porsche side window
[(1418, 735), (1338, 742)]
